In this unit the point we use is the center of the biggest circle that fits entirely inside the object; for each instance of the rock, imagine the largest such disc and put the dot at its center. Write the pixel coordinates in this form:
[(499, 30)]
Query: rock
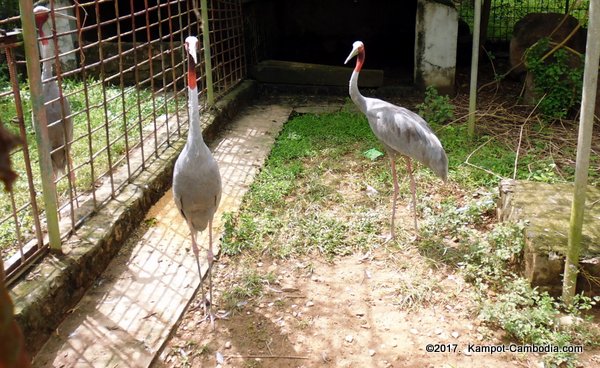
[(309, 303), (228, 345), (534, 26), (414, 331), (371, 352), (349, 338), (569, 320), (438, 331), (455, 334)]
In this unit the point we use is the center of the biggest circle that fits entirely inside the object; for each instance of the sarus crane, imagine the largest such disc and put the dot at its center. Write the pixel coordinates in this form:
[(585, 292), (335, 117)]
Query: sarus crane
[(401, 131), (196, 177), (58, 109)]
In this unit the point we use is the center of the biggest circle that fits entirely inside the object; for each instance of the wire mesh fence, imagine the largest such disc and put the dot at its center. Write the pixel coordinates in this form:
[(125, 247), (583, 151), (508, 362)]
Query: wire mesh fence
[(114, 71), (505, 13)]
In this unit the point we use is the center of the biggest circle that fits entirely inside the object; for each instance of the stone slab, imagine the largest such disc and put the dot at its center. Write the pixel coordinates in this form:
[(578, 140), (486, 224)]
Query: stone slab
[(124, 319), (290, 72), (546, 208)]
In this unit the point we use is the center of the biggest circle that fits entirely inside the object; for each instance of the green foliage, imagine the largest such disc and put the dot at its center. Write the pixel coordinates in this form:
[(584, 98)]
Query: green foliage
[(556, 82), (301, 213), (372, 154), (293, 178), (105, 108), (436, 108)]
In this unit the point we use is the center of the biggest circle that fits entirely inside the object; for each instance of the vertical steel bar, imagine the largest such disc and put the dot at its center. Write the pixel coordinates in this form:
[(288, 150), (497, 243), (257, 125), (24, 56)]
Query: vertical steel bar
[(17, 224), (210, 95), (151, 76), (58, 72), (181, 54), (40, 121), (23, 134), (84, 78), (122, 86), (103, 86), (173, 69), (584, 141), (474, 69), (163, 73), (137, 82)]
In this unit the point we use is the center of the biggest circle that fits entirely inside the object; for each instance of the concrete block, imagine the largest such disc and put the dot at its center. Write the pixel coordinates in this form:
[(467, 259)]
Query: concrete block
[(289, 72), (546, 209)]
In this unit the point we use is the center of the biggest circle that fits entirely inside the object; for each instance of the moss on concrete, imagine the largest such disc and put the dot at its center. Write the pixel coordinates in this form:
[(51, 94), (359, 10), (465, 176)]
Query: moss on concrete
[(546, 208), (54, 285)]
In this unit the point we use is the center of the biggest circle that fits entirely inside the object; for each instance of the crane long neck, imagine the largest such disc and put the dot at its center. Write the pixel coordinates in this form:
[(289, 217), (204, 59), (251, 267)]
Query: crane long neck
[(46, 53), (195, 133), (355, 95)]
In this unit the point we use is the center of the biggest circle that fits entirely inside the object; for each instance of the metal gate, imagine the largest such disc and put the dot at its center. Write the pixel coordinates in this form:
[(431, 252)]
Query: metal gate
[(120, 67)]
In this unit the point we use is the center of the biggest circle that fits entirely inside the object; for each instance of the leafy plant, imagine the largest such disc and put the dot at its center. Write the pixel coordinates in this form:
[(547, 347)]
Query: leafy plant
[(557, 80), (436, 108)]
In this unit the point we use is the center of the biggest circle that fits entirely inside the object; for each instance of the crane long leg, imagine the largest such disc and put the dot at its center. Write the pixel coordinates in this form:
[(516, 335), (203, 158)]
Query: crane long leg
[(210, 263), (412, 189), (395, 177), (197, 255)]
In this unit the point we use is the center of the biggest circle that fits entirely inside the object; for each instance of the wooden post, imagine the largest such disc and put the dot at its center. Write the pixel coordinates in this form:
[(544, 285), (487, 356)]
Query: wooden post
[(210, 94), (584, 141), (474, 70), (40, 122)]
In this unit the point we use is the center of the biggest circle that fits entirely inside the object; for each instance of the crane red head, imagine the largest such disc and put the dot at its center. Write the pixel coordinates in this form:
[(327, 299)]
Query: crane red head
[(358, 48), (42, 15), (191, 47)]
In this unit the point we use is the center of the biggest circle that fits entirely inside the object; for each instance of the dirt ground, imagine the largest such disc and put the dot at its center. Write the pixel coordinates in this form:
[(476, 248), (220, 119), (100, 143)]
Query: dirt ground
[(347, 314), (357, 311)]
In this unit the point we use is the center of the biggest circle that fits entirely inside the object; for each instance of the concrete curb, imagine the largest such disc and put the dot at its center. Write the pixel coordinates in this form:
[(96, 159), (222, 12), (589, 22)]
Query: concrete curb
[(54, 285)]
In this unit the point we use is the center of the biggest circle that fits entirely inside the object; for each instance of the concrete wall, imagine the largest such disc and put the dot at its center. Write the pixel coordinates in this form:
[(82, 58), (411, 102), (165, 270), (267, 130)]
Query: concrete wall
[(435, 45)]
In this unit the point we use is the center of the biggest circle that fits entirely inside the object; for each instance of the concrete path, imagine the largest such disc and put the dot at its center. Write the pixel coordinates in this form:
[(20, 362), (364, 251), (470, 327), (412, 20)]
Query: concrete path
[(127, 316)]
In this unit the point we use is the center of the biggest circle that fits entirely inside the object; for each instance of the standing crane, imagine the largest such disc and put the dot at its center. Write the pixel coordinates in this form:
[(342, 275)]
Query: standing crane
[(196, 177), (401, 131), (58, 110)]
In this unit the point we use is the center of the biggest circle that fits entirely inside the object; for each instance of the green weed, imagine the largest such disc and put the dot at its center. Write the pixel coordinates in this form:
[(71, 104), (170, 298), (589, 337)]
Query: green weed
[(557, 83), (249, 286), (436, 108)]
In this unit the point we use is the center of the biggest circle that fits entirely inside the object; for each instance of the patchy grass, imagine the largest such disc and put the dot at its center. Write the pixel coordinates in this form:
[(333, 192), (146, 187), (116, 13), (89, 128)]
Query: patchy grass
[(318, 197), (250, 285), (111, 113)]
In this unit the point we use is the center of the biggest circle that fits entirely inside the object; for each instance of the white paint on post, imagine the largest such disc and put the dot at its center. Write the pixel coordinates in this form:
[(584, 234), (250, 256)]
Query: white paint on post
[(584, 141), (474, 69), (435, 45)]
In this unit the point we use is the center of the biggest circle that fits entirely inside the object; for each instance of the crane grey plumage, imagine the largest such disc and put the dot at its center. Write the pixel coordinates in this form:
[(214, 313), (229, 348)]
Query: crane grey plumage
[(400, 130), (58, 109), (196, 177)]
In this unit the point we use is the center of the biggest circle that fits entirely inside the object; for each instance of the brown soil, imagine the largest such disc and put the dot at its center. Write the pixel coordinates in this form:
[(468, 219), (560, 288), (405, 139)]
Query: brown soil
[(381, 309), (352, 313)]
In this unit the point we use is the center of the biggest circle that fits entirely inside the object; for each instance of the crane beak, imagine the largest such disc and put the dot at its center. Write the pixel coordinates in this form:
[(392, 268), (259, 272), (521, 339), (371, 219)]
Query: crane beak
[(42, 9), (354, 52), (66, 16), (191, 45)]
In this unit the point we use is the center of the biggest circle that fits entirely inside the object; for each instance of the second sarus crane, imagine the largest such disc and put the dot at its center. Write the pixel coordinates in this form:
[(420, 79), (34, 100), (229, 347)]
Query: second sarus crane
[(400, 130)]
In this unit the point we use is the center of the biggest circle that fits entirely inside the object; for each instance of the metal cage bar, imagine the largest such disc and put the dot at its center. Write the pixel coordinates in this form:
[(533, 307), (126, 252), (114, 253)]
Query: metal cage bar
[(123, 74)]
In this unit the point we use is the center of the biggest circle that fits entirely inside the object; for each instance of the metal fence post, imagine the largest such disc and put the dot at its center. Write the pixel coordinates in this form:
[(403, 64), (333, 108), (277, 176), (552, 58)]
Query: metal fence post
[(40, 121), (210, 94)]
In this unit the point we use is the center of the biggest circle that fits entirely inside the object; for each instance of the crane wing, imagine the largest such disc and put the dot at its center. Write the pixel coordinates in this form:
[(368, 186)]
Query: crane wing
[(405, 132)]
